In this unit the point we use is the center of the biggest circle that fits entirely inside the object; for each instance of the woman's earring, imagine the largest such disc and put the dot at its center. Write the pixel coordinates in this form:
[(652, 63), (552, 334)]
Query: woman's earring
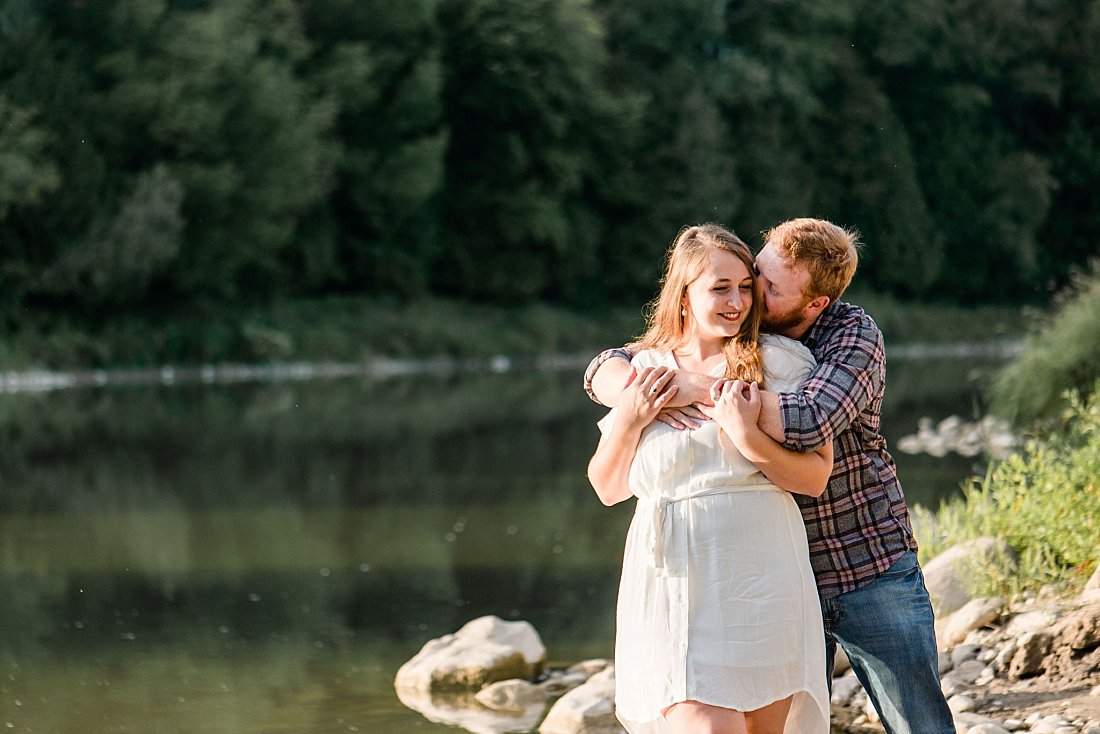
[(683, 313)]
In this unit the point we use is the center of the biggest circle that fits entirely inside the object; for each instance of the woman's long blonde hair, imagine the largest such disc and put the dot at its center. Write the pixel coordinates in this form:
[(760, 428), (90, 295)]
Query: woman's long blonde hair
[(684, 263)]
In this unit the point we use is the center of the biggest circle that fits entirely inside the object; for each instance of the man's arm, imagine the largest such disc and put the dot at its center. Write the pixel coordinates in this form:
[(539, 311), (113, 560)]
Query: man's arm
[(610, 371), (737, 411), (606, 381), (839, 388)]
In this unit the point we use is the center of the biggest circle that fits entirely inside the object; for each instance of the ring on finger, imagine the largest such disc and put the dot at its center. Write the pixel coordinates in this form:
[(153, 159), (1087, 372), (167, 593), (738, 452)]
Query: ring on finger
[(653, 390)]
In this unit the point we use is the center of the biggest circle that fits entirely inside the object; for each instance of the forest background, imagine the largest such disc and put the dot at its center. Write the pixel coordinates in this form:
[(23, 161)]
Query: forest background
[(188, 180)]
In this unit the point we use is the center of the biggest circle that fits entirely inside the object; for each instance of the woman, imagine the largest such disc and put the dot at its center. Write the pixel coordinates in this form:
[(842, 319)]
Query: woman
[(718, 622)]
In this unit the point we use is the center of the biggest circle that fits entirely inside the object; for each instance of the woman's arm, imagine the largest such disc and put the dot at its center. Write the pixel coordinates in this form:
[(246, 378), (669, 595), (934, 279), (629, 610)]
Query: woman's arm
[(737, 409), (609, 468)]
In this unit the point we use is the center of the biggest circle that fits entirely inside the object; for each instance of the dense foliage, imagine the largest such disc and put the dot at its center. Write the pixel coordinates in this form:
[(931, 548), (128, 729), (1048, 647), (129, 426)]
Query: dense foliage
[(179, 156), (1062, 358), (1043, 501)]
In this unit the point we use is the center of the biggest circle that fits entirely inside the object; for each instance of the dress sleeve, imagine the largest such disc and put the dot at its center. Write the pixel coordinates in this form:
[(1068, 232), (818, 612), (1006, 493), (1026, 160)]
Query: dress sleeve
[(787, 363)]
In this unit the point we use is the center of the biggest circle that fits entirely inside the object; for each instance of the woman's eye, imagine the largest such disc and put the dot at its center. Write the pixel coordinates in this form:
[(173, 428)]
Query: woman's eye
[(720, 289)]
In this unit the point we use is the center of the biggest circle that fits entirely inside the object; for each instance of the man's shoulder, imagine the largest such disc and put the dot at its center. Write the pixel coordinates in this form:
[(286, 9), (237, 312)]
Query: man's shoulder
[(846, 319)]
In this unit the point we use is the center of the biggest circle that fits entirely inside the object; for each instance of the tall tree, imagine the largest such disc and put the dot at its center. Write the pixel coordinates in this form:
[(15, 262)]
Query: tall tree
[(522, 99), (380, 62)]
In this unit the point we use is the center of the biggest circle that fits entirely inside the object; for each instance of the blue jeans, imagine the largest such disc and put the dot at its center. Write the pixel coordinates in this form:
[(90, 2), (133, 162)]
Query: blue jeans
[(886, 629)]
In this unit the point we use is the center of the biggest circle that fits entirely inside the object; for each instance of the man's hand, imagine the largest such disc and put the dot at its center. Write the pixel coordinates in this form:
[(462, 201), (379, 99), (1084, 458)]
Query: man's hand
[(683, 418)]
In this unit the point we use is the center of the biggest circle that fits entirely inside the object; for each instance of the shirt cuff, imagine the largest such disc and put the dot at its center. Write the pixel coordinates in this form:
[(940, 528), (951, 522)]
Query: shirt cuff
[(599, 359), (789, 416)]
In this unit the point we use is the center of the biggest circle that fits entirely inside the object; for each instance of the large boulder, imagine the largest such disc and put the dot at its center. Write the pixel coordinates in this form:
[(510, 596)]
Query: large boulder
[(485, 650), (977, 613), (943, 575), (587, 709)]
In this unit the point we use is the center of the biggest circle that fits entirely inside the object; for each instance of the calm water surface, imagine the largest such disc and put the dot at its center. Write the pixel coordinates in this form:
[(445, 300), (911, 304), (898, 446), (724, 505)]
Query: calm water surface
[(262, 558)]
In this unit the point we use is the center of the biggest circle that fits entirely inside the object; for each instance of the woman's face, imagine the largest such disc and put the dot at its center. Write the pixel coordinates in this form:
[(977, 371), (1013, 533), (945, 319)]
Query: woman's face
[(719, 300)]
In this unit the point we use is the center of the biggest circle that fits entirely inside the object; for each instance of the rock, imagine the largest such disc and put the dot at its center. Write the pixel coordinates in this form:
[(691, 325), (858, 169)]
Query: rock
[(969, 671), (1004, 656), (1014, 724), (1027, 661), (960, 704), (985, 677), (1050, 724), (559, 683), (966, 722), (485, 650), (944, 663), (1038, 619), (987, 728), (841, 664), (587, 709), (871, 712), (974, 614), (1080, 630), (943, 574), (964, 653), (1093, 584), (510, 695), (844, 688), (950, 685), (589, 667)]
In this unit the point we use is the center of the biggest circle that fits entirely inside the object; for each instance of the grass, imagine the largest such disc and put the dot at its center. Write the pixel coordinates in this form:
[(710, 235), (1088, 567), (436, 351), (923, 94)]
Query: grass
[(1062, 357), (1044, 502)]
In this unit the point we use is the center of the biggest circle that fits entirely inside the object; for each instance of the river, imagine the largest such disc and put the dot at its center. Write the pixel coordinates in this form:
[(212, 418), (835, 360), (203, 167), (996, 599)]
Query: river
[(261, 556)]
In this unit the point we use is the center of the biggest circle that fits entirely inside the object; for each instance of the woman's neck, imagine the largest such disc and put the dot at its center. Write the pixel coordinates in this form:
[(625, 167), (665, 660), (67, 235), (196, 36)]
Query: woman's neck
[(696, 355)]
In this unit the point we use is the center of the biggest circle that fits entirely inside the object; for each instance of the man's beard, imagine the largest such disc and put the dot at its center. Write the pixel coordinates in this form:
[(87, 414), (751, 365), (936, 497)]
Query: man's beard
[(778, 323)]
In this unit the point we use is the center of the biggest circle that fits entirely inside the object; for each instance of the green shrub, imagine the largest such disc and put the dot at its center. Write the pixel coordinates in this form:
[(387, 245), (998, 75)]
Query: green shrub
[(1062, 355), (1043, 501)]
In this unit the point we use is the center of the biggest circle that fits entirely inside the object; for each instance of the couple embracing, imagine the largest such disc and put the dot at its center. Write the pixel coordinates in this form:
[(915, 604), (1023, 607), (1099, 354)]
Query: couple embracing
[(770, 525)]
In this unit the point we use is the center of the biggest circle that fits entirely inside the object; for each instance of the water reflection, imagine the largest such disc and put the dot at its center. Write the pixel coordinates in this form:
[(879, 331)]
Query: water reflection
[(262, 558)]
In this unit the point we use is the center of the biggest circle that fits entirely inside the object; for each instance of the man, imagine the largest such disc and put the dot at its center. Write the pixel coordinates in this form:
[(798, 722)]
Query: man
[(873, 598)]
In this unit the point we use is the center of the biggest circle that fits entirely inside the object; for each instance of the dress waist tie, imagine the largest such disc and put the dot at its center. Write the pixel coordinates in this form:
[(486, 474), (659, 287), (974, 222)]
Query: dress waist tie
[(658, 525)]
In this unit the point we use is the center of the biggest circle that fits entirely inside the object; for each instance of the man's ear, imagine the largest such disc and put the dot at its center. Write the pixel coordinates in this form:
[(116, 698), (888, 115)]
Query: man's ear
[(816, 306)]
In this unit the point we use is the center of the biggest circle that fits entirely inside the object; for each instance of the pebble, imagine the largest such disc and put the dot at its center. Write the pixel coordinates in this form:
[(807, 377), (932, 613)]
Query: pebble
[(1053, 724), (961, 704), (969, 671), (844, 688), (987, 729), (963, 653), (950, 685)]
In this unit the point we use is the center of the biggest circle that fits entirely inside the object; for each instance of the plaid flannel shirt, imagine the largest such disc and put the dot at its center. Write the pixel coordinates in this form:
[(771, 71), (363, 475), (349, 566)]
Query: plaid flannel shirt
[(860, 526)]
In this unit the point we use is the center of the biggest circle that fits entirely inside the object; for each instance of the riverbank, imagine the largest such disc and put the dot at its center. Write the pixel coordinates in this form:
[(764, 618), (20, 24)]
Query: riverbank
[(356, 329)]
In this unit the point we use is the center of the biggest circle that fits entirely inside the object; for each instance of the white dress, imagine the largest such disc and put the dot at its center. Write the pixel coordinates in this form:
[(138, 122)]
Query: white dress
[(717, 601)]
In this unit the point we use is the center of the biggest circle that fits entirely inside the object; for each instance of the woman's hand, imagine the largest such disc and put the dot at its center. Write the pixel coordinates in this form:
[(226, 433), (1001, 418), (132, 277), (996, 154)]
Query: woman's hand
[(642, 399), (736, 407), (639, 403)]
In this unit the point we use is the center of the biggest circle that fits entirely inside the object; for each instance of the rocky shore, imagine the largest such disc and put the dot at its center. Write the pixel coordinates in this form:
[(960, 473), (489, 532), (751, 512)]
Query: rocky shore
[(1027, 665)]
